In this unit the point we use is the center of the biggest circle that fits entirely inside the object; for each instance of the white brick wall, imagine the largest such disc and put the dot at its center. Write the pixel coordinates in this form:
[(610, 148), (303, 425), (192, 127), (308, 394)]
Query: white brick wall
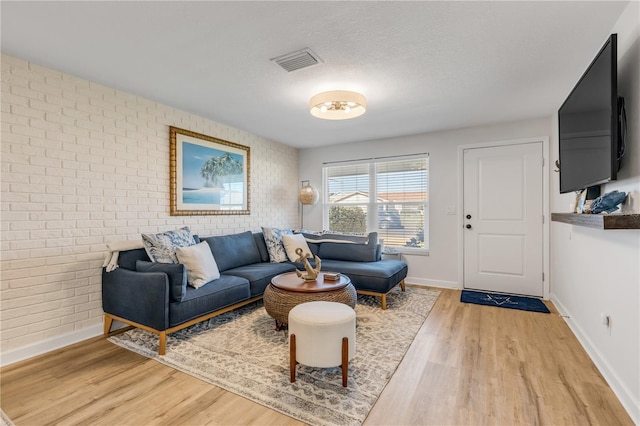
[(83, 165)]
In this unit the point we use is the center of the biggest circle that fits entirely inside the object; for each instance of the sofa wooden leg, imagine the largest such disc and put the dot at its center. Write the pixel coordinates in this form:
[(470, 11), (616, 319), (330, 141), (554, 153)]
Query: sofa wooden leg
[(162, 344), (403, 286), (108, 321), (383, 300), (292, 357), (345, 361)]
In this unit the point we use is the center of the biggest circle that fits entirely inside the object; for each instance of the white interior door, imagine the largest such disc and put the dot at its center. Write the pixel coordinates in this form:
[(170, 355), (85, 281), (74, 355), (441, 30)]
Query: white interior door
[(503, 219)]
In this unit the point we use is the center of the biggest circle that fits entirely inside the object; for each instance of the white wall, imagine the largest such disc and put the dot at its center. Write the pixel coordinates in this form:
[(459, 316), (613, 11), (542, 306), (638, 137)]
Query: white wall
[(83, 165), (440, 268), (596, 272)]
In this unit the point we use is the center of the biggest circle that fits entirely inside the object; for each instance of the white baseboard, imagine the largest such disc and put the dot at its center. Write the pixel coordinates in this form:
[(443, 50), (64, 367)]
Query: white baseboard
[(617, 386), (432, 283), (48, 345)]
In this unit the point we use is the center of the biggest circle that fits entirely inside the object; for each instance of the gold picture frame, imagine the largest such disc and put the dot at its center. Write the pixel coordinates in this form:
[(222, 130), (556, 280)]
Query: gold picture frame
[(208, 176)]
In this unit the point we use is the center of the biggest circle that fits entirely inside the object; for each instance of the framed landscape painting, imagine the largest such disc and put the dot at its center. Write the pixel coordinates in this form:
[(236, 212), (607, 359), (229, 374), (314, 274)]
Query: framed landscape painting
[(208, 176)]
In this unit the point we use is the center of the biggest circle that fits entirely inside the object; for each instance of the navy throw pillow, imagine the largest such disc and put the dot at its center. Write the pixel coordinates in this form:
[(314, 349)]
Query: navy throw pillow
[(176, 272)]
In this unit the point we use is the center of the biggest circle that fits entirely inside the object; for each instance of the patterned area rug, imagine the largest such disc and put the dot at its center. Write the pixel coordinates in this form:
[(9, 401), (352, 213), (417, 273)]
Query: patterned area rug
[(242, 352), (5, 420)]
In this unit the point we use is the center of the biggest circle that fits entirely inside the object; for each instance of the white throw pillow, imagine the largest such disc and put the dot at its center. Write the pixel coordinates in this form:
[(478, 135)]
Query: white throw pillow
[(200, 264), (293, 242)]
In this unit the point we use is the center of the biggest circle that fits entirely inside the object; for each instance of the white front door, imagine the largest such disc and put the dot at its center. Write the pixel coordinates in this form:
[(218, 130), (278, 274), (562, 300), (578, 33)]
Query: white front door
[(503, 219)]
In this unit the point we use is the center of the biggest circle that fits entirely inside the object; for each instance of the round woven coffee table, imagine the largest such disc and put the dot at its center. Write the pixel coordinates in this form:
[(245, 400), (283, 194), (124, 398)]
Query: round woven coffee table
[(288, 290)]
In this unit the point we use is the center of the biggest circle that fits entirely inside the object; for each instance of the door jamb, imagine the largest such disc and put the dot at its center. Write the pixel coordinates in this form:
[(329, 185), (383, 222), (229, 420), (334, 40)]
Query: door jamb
[(545, 204)]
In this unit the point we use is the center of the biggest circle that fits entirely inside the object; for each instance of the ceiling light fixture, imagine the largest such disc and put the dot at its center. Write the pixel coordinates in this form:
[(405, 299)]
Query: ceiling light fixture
[(338, 105)]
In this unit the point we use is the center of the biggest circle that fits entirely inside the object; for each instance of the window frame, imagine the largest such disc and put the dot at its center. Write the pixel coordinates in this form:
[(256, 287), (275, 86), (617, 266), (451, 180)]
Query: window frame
[(372, 205)]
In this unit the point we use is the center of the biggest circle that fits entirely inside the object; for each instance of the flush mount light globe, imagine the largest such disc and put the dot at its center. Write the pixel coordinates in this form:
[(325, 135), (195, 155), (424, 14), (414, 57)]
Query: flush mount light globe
[(338, 105)]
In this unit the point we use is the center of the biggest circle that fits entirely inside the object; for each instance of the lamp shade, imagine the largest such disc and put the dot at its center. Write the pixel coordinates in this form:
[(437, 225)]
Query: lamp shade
[(308, 195), (338, 105)]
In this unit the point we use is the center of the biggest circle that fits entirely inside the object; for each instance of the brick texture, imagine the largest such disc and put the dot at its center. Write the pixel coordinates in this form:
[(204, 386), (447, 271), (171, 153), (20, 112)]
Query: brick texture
[(83, 165)]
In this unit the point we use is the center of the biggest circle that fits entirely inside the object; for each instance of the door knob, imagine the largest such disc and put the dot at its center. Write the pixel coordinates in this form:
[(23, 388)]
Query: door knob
[(468, 226), (468, 216)]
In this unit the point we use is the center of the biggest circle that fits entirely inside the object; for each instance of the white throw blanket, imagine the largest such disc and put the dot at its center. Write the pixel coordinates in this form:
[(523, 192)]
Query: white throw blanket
[(115, 247)]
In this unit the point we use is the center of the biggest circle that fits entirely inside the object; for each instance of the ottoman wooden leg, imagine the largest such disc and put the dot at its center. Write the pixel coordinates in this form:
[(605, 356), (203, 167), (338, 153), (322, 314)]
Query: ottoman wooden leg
[(292, 357), (345, 361)]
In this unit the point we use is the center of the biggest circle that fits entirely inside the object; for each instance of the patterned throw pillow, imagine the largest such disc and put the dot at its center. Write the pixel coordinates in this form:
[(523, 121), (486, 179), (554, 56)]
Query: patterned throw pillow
[(273, 238), (161, 247)]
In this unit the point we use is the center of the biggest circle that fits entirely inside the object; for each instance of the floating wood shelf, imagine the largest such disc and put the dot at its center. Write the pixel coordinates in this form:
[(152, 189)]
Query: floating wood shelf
[(599, 221)]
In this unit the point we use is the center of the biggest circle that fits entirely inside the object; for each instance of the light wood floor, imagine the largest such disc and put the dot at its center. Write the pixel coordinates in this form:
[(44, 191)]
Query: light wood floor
[(469, 365)]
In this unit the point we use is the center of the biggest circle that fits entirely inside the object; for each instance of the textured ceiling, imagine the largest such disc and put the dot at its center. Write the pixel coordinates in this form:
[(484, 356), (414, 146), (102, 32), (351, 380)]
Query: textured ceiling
[(423, 66)]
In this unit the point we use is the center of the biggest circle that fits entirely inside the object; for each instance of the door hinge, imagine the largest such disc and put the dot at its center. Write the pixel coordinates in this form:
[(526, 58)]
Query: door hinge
[(542, 161), (543, 219), (543, 276)]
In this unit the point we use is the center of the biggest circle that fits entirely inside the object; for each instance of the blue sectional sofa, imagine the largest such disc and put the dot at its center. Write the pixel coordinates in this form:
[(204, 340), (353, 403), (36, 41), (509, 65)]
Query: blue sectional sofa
[(155, 296)]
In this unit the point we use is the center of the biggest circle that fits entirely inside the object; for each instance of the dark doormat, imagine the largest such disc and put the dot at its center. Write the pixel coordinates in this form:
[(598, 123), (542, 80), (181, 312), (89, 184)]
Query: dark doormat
[(504, 301)]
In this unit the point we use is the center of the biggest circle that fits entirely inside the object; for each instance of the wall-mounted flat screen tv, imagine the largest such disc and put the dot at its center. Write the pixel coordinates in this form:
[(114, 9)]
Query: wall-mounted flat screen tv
[(588, 125)]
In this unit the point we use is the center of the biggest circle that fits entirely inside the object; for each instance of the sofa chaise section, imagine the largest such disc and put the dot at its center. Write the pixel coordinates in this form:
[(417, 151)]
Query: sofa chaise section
[(371, 278), (360, 259)]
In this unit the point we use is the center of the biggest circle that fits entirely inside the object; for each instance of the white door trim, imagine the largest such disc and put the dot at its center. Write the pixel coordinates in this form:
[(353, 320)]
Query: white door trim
[(545, 203)]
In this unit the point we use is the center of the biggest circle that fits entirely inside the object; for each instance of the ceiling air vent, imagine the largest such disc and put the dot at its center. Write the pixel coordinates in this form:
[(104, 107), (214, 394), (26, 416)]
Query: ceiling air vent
[(297, 60)]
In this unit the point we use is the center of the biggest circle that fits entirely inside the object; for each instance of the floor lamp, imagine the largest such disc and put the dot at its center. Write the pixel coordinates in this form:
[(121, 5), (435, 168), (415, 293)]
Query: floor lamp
[(308, 195)]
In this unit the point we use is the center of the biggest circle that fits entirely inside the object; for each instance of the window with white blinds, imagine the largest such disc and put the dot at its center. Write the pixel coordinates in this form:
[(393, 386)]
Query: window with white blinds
[(388, 195)]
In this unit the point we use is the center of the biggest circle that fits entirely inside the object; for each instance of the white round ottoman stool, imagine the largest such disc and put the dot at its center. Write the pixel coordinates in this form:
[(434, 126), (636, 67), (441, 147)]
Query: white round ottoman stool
[(322, 334)]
